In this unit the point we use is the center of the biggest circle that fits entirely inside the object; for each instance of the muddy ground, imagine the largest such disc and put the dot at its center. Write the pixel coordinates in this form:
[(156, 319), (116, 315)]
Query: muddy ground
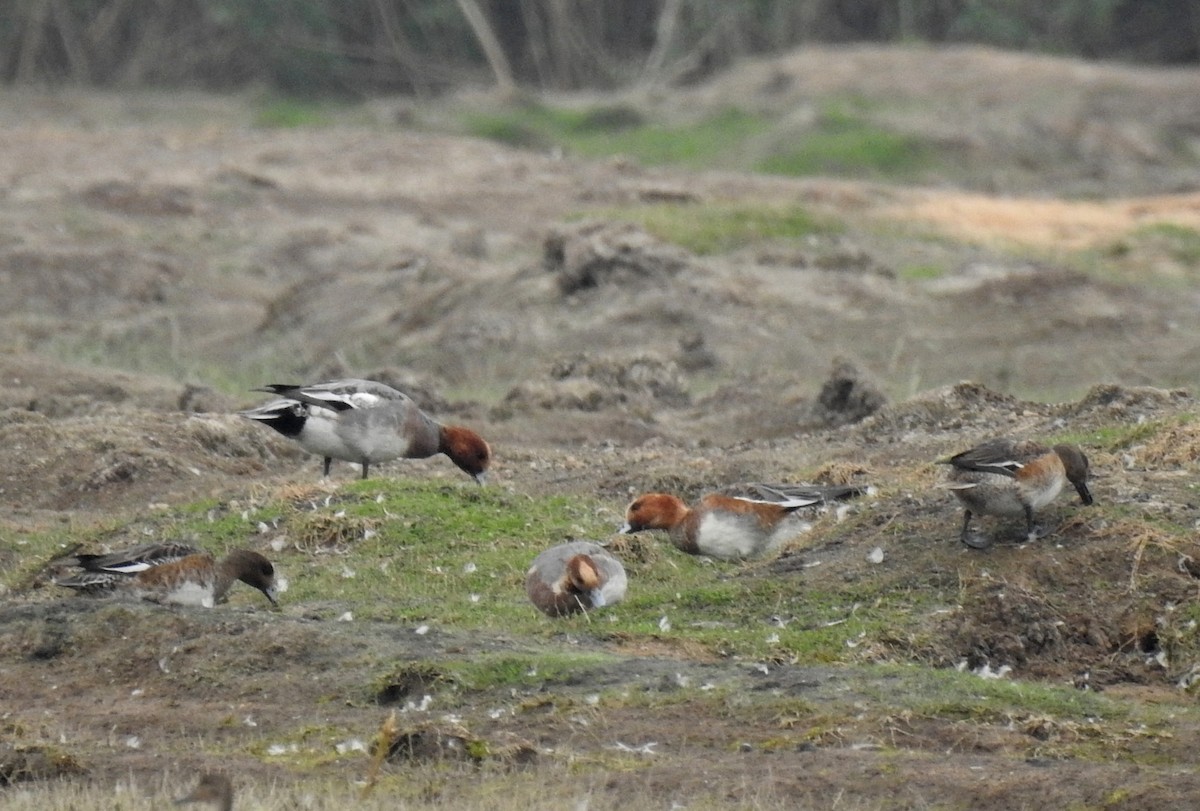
[(158, 256)]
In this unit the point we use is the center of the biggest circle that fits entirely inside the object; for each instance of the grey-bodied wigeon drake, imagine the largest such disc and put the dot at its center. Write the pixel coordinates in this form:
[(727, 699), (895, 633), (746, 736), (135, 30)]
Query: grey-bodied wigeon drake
[(213, 788), (366, 422), (1013, 477), (311, 417), (730, 527), (160, 573), (575, 576)]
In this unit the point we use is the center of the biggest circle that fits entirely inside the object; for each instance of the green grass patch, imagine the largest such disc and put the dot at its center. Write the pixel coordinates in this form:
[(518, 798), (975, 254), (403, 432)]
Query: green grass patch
[(1162, 254), (713, 141), (715, 229), (539, 125), (288, 113), (953, 694), (618, 130), (845, 142), (921, 273), (452, 555), (1114, 437), (1180, 242)]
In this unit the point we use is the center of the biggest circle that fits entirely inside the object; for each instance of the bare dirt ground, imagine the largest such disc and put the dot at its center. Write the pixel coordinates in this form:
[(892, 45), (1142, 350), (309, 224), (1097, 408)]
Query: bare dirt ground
[(158, 255)]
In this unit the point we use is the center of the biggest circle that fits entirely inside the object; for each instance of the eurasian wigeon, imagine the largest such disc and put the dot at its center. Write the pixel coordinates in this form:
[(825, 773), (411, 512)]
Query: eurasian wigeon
[(312, 418), (214, 788), (575, 576), (196, 578), (366, 422), (1012, 477), (729, 527)]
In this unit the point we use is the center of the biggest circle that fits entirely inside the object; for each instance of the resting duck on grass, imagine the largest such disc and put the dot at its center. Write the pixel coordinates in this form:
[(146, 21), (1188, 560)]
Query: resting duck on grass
[(575, 576), (172, 573), (730, 527), (1011, 477), (366, 422)]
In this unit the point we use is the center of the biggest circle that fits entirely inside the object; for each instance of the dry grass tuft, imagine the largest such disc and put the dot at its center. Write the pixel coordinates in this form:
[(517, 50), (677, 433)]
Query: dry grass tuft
[(379, 750), (1176, 446), (840, 473), (642, 549), (21, 763), (449, 741), (303, 493), (1142, 538), (321, 533)]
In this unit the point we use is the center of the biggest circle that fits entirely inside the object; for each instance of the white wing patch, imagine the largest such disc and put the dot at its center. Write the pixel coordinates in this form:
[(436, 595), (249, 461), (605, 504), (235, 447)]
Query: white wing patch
[(362, 399), (786, 503), (131, 568), (1011, 464)]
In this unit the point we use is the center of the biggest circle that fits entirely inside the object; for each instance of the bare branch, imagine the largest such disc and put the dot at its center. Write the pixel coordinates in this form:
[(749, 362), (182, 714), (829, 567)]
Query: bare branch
[(664, 33), (497, 61)]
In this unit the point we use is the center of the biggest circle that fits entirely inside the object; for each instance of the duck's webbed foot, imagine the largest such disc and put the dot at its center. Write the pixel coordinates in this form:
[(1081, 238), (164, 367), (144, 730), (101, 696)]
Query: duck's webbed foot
[(975, 540)]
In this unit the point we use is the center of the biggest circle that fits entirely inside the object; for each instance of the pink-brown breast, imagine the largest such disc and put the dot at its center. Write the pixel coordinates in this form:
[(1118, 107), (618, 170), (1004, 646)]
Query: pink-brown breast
[(170, 579), (1041, 478)]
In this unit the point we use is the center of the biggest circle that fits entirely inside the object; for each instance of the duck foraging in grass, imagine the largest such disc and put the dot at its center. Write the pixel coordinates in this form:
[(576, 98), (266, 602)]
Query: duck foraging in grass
[(1010, 477), (172, 573), (366, 422)]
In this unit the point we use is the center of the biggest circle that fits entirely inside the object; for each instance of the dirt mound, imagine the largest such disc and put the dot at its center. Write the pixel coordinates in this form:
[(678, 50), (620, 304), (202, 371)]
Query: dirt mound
[(1128, 403), (114, 458), (847, 396), (1070, 620), (598, 254), (949, 409), (587, 383), (54, 389)]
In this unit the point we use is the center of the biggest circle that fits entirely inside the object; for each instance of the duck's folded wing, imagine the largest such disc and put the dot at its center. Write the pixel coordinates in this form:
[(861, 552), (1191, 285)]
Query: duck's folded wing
[(1001, 456), (92, 582), (790, 494), (272, 410), (338, 395), (135, 559)]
